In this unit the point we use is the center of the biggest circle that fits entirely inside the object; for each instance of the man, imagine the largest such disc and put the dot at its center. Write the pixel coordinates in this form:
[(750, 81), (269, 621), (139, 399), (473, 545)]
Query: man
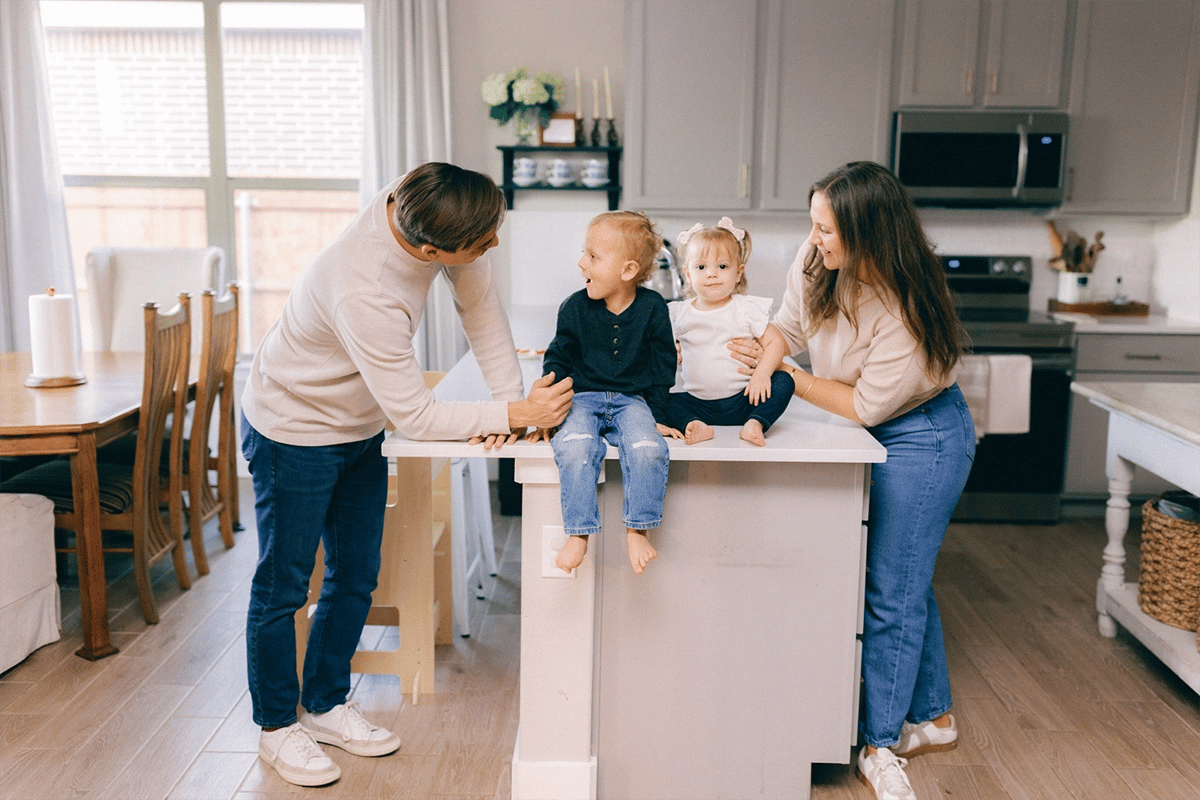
[(337, 364)]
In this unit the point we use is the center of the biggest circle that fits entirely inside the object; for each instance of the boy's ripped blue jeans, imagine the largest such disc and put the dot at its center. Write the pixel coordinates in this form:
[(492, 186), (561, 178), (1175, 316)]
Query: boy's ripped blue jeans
[(598, 419)]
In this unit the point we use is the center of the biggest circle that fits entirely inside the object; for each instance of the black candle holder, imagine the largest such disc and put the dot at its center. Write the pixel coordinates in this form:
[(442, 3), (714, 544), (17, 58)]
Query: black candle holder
[(580, 139), (612, 133), (596, 132)]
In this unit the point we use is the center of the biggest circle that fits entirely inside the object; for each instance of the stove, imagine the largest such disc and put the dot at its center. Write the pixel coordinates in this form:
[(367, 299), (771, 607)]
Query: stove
[(1015, 477)]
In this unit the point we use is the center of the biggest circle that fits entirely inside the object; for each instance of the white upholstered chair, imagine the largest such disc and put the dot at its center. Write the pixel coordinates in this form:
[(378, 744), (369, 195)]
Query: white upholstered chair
[(121, 280)]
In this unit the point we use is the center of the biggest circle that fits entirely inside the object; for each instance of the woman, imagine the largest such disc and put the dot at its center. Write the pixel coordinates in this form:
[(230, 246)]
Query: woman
[(869, 301)]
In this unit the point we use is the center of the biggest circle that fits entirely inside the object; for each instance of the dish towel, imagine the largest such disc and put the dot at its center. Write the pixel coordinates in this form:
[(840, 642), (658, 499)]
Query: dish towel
[(997, 391)]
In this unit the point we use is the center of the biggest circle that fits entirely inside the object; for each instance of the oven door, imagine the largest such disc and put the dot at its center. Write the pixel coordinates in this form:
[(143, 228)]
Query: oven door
[(1019, 477)]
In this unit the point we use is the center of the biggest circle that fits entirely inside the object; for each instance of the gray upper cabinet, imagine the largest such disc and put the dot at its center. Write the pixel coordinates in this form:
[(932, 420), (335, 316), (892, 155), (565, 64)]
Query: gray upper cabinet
[(692, 117), (1133, 107), (825, 93), (690, 103), (982, 53)]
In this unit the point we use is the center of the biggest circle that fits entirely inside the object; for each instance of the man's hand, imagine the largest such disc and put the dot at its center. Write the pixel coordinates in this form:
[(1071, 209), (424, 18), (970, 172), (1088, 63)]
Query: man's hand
[(540, 435), (545, 407), (495, 440)]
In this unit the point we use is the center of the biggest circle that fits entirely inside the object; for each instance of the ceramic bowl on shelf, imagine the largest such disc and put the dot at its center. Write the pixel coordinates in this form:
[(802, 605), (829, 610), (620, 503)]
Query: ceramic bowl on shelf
[(593, 183), (559, 181), (524, 180)]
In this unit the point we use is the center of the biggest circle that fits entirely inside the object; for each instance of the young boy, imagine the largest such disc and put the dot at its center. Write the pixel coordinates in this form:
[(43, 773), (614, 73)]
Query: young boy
[(614, 341)]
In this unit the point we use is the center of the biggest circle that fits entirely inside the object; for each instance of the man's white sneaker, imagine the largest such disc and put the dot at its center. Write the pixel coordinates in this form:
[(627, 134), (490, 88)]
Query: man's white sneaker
[(916, 740), (883, 771), (344, 726), (296, 757)]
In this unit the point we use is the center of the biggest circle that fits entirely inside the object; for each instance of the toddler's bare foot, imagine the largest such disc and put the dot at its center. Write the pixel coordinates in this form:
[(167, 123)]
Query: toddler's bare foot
[(640, 551), (571, 556), (752, 432), (697, 431)]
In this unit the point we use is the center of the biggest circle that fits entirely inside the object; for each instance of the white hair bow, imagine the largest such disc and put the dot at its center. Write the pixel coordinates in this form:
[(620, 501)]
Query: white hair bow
[(682, 239), (727, 224)]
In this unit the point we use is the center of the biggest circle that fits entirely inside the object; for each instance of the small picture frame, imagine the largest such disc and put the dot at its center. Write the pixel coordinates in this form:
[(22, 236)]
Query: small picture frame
[(560, 132)]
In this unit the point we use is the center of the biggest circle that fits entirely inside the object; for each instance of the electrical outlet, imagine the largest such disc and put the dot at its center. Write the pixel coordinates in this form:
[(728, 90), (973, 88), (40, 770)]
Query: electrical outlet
[(553, 539)]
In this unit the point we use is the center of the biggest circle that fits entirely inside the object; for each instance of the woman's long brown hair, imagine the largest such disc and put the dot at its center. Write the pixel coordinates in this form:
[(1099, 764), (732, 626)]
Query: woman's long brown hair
[(884, 244)]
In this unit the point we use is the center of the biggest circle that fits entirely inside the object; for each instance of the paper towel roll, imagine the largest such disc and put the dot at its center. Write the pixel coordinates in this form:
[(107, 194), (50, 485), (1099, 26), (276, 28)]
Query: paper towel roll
[(52, 339)]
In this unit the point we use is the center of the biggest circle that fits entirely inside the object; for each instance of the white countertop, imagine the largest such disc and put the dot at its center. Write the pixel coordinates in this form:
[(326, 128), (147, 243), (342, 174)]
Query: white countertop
[(1151, 324), (803, 434), (1172, 407)]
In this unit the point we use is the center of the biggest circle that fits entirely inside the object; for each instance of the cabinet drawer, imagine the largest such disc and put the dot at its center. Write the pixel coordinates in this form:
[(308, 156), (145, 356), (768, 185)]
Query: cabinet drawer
[(1138, 353)]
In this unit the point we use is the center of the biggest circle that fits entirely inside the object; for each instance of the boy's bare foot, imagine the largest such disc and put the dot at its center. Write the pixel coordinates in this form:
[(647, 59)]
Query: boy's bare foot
[(697, 431), (572, 553), (640, 551), (752, 432)]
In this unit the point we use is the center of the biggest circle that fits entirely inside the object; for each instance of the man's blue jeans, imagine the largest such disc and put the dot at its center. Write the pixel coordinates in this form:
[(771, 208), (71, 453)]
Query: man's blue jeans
[(929, 454), (596, 420), (331, 494)]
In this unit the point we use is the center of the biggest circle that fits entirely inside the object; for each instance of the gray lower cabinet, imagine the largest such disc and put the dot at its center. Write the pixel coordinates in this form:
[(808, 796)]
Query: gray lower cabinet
[(1133, 358)]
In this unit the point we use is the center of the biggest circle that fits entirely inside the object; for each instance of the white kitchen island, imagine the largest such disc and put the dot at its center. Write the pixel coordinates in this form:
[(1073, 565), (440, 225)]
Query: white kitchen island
[(732, 664), (1155, 426)]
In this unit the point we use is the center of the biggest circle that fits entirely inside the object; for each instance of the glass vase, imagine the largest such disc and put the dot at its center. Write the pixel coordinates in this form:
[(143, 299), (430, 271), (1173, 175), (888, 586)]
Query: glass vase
[(524, 128)]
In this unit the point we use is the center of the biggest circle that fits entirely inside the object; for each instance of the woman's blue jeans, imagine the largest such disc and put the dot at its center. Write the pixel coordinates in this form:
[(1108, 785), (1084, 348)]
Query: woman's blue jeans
[(335, 495), (596, 420), (913, 493)]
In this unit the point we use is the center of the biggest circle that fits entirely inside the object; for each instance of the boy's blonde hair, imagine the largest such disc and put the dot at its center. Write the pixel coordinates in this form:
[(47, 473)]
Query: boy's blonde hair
[(639, 235)]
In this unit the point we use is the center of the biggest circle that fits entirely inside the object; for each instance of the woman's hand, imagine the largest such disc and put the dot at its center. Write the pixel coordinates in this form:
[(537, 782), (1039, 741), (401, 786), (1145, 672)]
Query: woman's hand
[(746, 350)]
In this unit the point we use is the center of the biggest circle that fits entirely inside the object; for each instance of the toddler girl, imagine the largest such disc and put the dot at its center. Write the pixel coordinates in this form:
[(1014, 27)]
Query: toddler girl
[(714, 389)]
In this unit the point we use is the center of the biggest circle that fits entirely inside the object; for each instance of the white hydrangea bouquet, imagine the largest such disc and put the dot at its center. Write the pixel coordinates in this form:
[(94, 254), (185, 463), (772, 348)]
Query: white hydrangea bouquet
[(515, 94)]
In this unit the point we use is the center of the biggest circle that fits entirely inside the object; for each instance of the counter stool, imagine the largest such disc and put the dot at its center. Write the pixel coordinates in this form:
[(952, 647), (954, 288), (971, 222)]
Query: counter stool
[(415, 577)]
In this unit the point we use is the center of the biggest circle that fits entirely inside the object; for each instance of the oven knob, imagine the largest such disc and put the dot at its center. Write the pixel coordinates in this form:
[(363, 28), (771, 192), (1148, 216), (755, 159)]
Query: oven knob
[(1020, 267), (999, 266)]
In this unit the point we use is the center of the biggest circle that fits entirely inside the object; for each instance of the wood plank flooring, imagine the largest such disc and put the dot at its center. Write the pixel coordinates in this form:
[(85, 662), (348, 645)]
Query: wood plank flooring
[(1047, 709)]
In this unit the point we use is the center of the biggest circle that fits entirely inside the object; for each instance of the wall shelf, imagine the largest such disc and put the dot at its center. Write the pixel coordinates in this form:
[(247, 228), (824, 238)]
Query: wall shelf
[(612, 188)]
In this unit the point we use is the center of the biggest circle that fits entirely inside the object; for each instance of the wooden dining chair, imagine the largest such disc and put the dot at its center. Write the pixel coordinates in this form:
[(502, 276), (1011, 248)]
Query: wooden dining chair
[(218, 354), (131, 496)]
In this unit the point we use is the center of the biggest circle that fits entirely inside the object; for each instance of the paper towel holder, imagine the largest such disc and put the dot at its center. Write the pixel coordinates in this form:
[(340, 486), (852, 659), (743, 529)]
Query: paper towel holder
[(50, 383), (37, 382)]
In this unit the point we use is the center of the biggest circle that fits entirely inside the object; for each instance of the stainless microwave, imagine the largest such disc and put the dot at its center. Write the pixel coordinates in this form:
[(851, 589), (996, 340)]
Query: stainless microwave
[(981, 158)]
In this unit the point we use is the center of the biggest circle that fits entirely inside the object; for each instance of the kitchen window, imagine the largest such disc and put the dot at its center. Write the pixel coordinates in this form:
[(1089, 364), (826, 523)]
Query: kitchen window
[(194, 122)]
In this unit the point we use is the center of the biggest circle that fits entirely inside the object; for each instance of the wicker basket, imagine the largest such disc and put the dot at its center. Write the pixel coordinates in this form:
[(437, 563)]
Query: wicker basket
[(1169, 582)]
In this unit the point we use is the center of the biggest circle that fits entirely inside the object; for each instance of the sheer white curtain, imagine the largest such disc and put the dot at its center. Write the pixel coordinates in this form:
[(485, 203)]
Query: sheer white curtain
[(407, 59), (35, 250)]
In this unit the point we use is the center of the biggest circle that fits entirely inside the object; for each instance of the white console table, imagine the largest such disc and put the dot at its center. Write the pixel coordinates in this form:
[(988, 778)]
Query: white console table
[(732, 664), (1155, 426)]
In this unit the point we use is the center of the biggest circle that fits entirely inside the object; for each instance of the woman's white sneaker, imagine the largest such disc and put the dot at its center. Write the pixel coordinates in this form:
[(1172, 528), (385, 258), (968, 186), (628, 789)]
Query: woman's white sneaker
[(883, 771), (344, 726), (296, 757), (916, 740)]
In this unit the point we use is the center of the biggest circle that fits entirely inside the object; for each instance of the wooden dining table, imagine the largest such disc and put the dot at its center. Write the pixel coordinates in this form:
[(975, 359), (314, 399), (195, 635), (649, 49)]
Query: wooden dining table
[(75, 421)]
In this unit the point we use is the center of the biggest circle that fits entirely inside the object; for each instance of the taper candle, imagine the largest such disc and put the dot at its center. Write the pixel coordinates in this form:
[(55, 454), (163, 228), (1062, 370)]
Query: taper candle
[(595, 99), (607, 93), (578, 97)]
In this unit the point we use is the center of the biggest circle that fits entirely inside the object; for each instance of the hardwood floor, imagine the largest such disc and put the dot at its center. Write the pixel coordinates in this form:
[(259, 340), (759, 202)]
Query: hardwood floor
[(1047, 709)]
